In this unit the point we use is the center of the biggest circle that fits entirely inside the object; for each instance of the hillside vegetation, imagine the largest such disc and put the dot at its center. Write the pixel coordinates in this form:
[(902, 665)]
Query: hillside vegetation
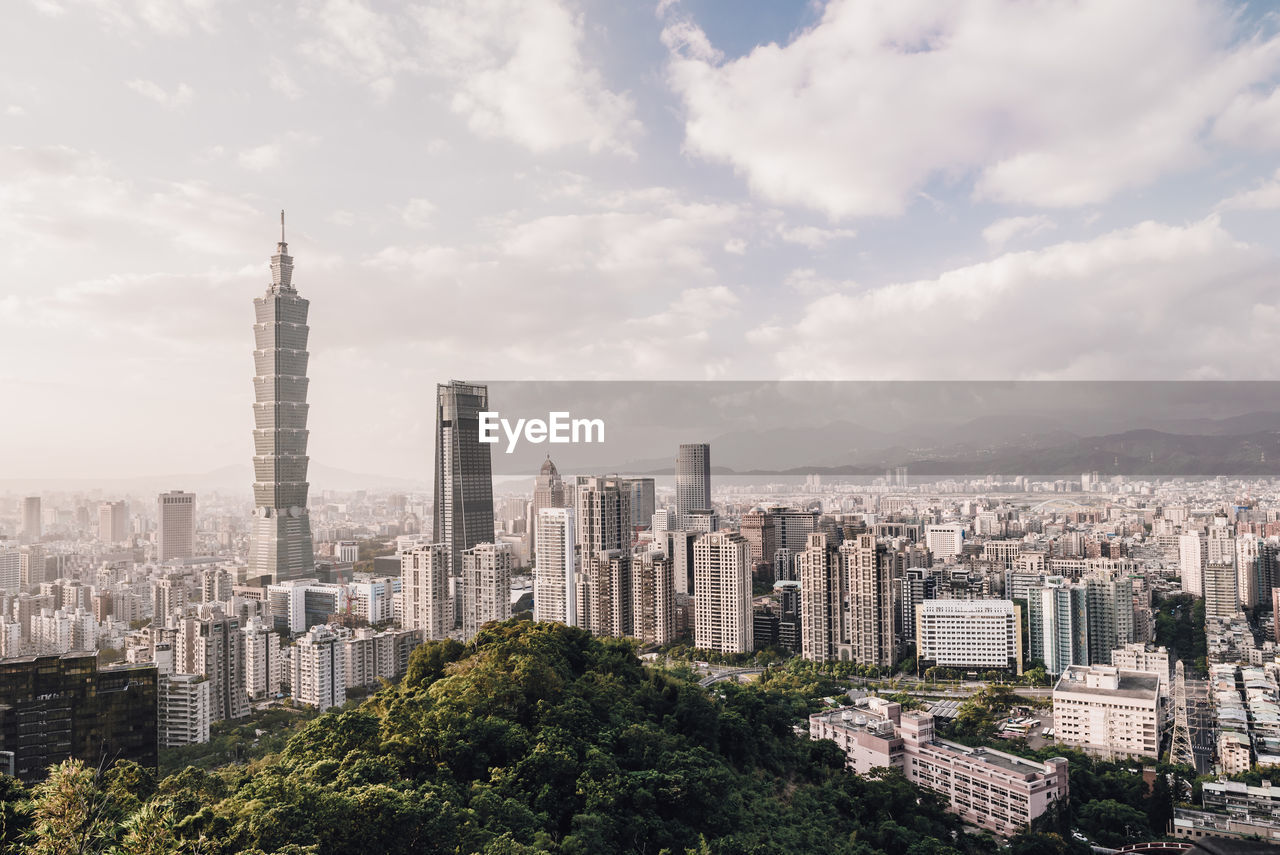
[(533, 738)]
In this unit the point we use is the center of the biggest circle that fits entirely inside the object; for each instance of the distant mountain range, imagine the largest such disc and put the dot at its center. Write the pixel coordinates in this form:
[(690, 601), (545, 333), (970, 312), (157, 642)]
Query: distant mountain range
[(1037, 445)]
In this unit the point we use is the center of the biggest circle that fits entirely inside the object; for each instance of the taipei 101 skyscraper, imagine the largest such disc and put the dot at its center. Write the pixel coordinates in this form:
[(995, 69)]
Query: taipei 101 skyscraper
[(280, 541)]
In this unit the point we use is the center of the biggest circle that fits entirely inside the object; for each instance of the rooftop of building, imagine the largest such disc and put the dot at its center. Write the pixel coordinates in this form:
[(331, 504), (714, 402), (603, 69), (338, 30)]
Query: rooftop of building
[(999, 759), (1106, 681), (1239, 788)]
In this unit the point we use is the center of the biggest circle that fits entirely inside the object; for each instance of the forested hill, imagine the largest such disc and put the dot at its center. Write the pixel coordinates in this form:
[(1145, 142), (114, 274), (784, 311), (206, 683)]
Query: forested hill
[(534, 738)]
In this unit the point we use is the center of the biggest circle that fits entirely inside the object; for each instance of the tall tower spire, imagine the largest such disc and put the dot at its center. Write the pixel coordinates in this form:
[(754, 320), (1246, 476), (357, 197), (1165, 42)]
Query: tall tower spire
[(280, 545), (282, 263)]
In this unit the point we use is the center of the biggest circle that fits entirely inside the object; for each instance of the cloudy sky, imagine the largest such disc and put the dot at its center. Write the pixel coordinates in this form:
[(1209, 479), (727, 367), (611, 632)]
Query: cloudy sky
[(592, 189)]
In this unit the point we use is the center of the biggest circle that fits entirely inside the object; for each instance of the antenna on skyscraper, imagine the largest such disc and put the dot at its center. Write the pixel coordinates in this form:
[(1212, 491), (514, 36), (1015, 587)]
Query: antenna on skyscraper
[(282, 225)]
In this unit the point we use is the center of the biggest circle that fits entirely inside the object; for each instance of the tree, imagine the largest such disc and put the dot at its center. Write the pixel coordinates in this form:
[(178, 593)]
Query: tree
[(71, 815), (1113, 823)]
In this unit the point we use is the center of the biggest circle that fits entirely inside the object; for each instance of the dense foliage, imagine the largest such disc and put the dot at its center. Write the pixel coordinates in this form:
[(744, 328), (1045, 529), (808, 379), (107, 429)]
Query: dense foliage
[(1180, 626), (534, 738)]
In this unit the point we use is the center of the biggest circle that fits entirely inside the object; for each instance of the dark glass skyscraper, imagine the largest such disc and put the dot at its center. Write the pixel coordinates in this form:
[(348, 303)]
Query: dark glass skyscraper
[(693, 479), (280, 542), (463, 511)]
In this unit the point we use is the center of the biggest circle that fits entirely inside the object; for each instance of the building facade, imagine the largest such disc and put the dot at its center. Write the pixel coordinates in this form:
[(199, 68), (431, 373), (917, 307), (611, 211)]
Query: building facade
[(280, 546), (463, 508), (978, 635), (555, 595), (722, 598), (693, 479), (426, 604), (56, 707), (1000, 792), (486, 586), (1109, 712), (176, 513)]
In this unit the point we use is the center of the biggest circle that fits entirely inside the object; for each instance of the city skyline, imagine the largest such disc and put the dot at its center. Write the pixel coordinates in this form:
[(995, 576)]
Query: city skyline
[(638, 213)]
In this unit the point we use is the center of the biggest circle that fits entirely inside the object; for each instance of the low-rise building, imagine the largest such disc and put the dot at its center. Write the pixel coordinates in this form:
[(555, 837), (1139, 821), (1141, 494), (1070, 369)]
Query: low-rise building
[(990, 789), (1109, 712)]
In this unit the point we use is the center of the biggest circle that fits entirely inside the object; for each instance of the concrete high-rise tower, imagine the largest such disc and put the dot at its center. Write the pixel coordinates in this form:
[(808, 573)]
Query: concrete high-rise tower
[(722, 586), (693, 479), (31, 522), (548, 492), (463, 512), (555, 583), (113, 522), (176, 511), (280, 542)]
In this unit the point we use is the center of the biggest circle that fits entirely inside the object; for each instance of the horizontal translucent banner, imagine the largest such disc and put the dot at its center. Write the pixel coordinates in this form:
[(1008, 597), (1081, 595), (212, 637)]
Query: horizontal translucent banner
[(861, 430)]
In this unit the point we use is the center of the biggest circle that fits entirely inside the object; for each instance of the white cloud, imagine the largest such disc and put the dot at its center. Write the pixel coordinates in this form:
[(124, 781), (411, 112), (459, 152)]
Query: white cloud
[(515, 68), (162, 17), (358, 41), (260, 158), (281, 81), (1001, 232), (15, 111), (57, 198), (1264, 197), (1252, 120), (1152, 301), (860, 111), (813, 237), (155, 92), (521, 75), (417, 213)]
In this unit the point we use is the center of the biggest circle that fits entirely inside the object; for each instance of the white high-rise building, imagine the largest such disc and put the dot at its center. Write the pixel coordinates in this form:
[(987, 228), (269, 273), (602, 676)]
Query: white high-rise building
[(320, 668), (169, 601), (867, 568), (722, 593), (1193, 555), (653, 604), (821, 599), (970, 634), (176, 512), (32, 524), (486, 586), (31, 566), (944, 540), (10, 569), (554, 580), (113, 522), (263, 659), (348, 551), (1248, 555), (424, 590), (183, 714), (213, 645), (1221, 596), (373, 656), (374, 599)]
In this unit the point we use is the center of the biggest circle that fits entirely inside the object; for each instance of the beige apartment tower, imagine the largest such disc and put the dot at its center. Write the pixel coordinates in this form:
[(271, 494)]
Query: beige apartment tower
[(722, 593)]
